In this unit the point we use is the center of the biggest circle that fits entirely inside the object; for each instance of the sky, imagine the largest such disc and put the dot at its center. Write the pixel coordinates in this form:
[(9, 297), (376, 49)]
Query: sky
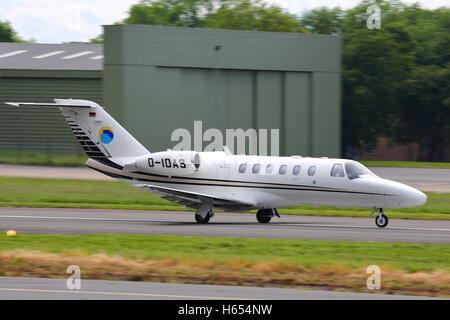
[(56, 21)]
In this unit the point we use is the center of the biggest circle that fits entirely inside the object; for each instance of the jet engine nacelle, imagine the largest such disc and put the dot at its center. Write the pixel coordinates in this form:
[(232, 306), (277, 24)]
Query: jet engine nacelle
[(170, 163)]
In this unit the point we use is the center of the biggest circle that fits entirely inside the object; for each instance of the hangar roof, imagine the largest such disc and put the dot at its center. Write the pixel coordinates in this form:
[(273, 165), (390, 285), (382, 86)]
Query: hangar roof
[(37, 56)]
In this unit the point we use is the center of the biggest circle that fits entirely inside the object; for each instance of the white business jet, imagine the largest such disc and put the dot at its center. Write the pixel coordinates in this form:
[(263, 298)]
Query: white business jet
[(219, 180)]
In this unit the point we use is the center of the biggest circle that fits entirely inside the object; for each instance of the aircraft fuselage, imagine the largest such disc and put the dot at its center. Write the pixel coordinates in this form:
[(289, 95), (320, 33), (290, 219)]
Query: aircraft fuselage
[(270, 182)]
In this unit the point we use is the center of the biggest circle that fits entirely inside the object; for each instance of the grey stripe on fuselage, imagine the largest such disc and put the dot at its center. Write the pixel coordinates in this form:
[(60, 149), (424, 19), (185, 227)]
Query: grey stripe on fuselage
[(112, 169)]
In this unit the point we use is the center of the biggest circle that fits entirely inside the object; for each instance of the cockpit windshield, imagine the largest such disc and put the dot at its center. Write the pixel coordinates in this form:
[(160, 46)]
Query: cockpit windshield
[(356, 170)]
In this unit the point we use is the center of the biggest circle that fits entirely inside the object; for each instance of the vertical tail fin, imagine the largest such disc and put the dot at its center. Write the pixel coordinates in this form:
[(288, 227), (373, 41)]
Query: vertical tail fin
[(98, 133)]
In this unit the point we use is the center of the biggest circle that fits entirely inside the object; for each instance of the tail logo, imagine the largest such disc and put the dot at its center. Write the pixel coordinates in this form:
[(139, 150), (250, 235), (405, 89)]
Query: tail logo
[(106, 135)]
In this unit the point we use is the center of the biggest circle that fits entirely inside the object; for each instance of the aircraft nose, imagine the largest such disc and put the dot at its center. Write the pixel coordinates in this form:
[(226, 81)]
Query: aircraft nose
[(421, 198), (406, 196), (414, 197)]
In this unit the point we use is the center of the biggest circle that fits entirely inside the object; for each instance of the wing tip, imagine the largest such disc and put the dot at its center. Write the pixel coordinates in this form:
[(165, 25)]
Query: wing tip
[(15, 104)]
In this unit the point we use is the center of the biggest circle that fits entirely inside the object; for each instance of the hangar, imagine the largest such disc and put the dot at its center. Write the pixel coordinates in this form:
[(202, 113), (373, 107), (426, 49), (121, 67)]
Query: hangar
[(156, 79), (36, 73)]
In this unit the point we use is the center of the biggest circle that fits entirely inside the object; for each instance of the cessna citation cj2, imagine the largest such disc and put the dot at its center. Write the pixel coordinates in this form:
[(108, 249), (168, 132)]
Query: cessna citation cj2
[(219, 180)]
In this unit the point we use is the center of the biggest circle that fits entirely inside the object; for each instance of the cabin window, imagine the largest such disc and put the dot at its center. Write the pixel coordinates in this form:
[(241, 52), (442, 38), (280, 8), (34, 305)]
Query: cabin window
[(312, 171), (256, 168), (337, 170), (269, 169), (283, 169), (242, 168), (296, 170)]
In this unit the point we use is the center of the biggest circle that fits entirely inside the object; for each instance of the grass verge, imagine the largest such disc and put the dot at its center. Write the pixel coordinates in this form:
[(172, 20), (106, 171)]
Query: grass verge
[(30, 192), (42, 158), (407, 268), (407, 164)]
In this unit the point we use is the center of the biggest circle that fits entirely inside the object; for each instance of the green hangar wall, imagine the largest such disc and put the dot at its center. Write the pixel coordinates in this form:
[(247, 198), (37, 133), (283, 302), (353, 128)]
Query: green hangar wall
[(158, 79), (39, 73)]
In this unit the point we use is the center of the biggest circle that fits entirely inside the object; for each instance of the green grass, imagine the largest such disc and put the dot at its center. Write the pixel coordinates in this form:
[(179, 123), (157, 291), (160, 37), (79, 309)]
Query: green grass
[(42, 158), (30, 192), (420, 269), (407, 164), (400, 256)]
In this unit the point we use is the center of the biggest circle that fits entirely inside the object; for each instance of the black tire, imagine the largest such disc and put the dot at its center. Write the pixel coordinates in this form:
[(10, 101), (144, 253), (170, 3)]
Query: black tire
[(381, 220), (263, 216), (202, 220)]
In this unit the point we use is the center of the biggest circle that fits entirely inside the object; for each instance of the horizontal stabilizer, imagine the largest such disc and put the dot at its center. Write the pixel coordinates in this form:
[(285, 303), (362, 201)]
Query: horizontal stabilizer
[(99, 135), (50, 104)]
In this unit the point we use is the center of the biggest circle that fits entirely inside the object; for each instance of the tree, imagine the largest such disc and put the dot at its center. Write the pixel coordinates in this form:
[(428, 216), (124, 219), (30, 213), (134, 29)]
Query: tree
[(375, 67), (7, 34), (323, 20), (98, 39), (252, 15), (182, 13), (215, 14), (391, 76), (425, 116), (376, 64)]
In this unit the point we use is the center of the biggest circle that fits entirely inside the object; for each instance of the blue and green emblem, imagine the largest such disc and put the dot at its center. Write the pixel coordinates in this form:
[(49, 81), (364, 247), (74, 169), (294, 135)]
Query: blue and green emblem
[(106, 135)]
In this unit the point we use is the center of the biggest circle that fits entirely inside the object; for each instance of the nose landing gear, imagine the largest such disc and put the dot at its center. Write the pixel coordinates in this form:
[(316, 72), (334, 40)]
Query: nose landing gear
[(381, 220)]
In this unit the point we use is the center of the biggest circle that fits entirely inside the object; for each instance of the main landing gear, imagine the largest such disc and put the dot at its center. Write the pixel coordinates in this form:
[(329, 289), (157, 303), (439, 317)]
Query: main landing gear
[(265, 215), (381, 220), (205, 212), (204, 219)]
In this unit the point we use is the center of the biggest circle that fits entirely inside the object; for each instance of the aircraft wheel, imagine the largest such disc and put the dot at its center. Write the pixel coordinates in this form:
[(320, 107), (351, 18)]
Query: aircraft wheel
[(202, 220), (381, 220), (263, 216)]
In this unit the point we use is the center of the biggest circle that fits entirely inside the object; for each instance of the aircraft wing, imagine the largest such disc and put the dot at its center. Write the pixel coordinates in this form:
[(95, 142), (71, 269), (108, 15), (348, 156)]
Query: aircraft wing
[(194, 199)]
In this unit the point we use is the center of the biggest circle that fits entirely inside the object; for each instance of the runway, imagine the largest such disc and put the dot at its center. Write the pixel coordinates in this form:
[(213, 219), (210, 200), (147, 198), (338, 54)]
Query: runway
[(21, 288), (91, 221)]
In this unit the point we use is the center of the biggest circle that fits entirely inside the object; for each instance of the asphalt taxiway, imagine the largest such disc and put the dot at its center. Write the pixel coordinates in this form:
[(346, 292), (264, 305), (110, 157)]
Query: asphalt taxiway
[(95, 221), (21, 288)]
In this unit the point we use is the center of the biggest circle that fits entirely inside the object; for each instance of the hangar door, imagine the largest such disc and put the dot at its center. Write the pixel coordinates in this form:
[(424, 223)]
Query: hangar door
[(231, 99)]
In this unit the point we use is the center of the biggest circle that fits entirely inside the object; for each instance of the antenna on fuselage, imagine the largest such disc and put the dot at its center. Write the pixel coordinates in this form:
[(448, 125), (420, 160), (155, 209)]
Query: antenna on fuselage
[(226, 150)]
